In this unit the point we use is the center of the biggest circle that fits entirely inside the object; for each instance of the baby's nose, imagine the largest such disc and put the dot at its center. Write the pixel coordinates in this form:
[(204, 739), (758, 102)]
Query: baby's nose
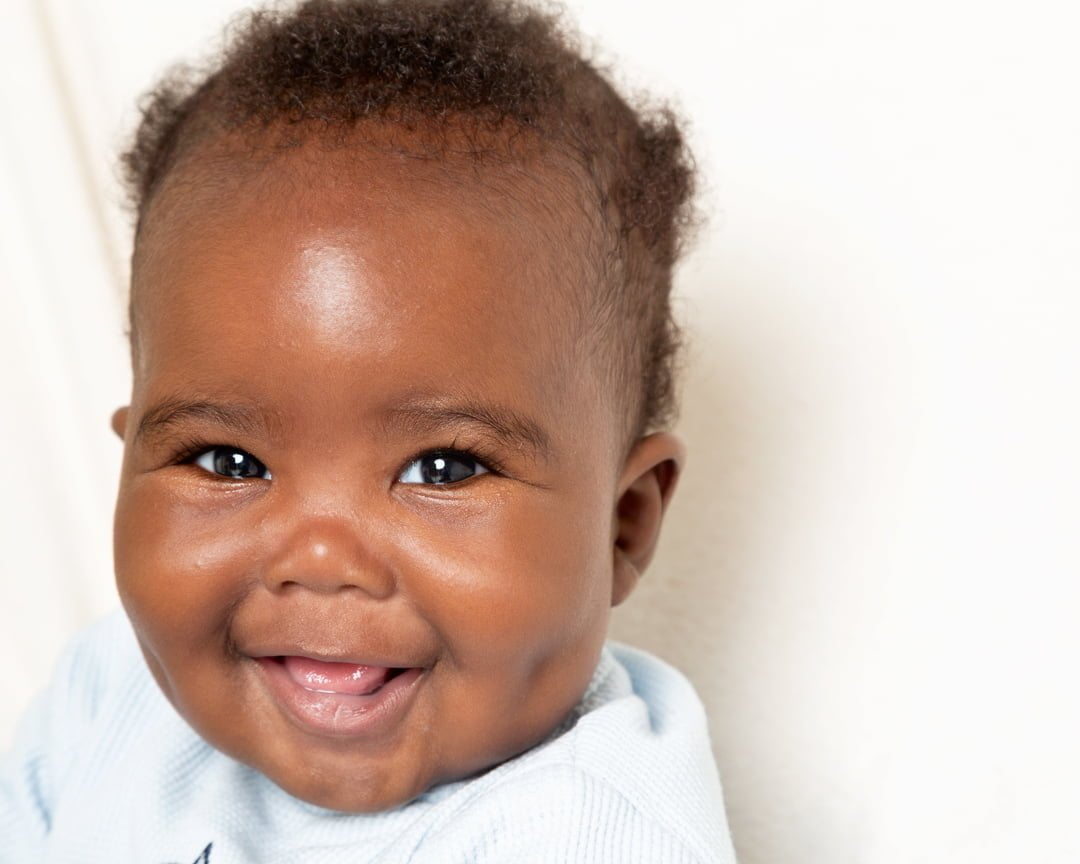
[(328, 554)]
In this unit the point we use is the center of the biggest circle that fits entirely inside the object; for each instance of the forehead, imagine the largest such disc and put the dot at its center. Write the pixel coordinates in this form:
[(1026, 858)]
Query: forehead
[(533, 207), (307, 258)]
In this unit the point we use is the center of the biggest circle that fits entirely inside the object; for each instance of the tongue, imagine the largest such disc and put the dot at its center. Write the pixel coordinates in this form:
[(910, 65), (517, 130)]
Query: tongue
[(348, 678)]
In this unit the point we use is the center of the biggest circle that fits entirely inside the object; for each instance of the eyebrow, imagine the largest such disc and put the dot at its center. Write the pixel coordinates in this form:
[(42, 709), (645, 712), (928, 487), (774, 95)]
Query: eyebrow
[(510, 427), (507, 425), (242, 417)]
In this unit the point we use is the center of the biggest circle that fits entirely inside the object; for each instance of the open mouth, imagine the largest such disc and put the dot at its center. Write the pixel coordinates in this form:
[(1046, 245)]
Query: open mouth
[(348, 679), (340, 698)]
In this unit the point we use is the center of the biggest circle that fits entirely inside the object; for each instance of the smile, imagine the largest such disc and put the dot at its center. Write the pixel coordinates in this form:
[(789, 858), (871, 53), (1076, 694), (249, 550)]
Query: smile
[(339, 699)]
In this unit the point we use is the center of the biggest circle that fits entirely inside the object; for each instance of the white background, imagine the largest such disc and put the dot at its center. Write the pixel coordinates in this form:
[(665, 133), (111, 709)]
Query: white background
[(870, 571)]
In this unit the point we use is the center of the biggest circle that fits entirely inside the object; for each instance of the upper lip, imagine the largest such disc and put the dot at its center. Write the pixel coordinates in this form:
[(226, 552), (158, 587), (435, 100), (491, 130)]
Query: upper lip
[(358, 659)]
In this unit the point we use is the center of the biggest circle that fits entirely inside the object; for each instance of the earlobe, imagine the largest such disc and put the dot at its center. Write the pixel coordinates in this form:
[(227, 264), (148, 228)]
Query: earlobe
[(119, 421), (645, 489)]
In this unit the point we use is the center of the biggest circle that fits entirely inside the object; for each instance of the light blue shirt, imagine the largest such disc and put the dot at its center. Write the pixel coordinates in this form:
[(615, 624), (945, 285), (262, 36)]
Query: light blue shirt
[(104, 770)]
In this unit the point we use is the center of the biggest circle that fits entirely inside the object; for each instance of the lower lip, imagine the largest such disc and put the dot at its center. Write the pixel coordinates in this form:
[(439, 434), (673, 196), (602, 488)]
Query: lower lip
[(340, 714)]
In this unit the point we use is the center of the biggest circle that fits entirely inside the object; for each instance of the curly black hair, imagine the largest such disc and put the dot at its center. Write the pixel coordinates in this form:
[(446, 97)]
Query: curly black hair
[(325, 66)]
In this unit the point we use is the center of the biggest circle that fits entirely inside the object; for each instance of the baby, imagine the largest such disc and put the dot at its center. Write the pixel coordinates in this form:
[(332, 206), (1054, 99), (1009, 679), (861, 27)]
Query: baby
[(402, 355)]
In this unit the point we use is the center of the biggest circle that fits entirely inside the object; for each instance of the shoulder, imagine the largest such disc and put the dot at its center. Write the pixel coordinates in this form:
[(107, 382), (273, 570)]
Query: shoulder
[(99, 665), (98, 659), (101, 668), (632, 780), (649, 740), (558, 812), (97, 675)]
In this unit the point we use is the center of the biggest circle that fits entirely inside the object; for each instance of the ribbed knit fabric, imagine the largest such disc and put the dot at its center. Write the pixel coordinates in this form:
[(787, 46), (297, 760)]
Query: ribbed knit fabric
[(104, 770)]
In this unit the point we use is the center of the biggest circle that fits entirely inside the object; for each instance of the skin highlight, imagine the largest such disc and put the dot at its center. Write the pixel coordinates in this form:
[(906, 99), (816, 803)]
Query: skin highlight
[(335, 334)]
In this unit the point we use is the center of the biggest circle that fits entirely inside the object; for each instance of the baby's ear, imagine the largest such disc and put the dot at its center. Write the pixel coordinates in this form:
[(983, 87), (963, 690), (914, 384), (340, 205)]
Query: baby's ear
[(645, 488), (119, 421)]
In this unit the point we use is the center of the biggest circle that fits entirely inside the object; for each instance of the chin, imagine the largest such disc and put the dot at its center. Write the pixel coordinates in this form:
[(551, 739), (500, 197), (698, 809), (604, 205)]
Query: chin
[(355, 793)]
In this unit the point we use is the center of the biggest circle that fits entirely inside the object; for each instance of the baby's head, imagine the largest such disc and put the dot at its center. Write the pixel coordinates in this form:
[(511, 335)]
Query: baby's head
[(402, 347)]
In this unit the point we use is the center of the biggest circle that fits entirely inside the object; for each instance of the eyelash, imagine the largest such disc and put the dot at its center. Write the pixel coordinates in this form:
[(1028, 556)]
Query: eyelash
[(186, 451), (489, 465)]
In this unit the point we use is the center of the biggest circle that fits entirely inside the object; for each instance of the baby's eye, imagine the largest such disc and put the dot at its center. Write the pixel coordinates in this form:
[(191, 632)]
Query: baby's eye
[(231, 462), (442, 467)]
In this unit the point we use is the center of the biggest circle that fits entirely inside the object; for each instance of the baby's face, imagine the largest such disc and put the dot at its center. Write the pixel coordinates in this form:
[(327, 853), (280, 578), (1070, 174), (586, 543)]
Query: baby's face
[(373, 510)]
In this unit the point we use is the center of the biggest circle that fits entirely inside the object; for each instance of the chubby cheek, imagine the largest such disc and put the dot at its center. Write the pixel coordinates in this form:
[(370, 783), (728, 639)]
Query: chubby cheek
[(520, 580), (521, 605), (178, 574)]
